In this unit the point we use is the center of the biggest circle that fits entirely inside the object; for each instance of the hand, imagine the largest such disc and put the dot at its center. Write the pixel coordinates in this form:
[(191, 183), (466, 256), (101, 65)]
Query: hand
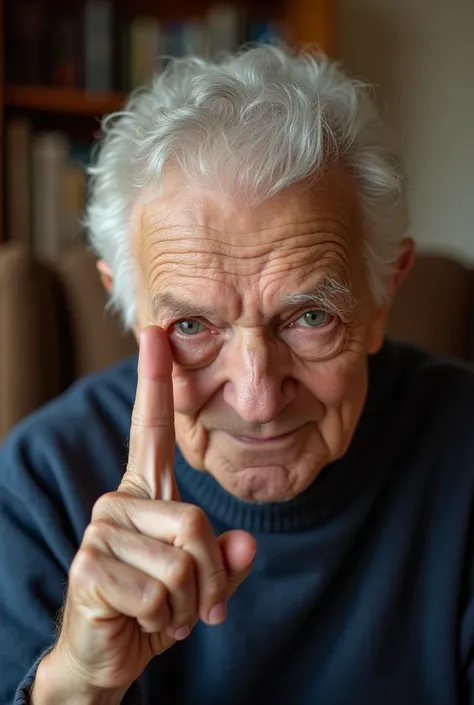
[(149, 566)]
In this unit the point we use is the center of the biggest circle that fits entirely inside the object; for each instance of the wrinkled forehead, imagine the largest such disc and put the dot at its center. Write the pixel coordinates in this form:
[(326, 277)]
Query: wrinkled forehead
[(189, 233)]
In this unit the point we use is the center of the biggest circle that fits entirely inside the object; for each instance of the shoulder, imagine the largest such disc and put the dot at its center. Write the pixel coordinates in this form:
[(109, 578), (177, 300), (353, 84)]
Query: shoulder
[(421, 378), (427, 404), (80, 434), (104, 394)]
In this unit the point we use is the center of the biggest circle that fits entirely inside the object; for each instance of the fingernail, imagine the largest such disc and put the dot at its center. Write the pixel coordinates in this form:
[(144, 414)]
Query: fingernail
[(182, 633), (218, 613)]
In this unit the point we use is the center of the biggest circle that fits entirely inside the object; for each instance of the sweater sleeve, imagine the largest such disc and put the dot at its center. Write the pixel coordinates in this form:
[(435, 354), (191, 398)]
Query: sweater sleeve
[(467, 630), (37, 545), (33, 577), (22, 696)]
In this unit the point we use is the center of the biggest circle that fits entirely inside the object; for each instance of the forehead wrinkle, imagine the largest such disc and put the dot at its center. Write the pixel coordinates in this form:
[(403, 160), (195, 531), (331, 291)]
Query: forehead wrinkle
[(264, 256), (328, 226), (335, 262), (331, 204), (224, 268), (156, 220)]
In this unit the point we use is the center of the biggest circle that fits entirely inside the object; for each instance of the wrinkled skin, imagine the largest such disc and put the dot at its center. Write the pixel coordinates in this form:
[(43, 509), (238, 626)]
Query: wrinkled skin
[(266, 393)]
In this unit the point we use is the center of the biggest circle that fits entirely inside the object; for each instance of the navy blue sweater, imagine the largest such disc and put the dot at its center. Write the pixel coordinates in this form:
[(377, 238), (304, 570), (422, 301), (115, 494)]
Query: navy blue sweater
[(362, 590)]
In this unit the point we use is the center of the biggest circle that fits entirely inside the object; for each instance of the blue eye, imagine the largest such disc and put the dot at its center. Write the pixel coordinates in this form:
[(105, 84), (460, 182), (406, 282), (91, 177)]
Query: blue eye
[(314, 319), (190, 326)]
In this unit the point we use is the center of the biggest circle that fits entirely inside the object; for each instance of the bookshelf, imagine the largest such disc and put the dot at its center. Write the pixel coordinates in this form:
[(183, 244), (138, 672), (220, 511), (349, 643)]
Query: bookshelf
[(61, 102)]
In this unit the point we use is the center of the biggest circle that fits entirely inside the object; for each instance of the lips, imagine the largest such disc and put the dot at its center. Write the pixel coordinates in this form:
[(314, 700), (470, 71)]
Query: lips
[(266, 438), (262, 440)]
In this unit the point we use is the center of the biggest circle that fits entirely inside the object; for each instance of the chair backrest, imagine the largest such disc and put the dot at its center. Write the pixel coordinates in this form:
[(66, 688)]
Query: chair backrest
[(434, 307), (30, 345), (94, 337)]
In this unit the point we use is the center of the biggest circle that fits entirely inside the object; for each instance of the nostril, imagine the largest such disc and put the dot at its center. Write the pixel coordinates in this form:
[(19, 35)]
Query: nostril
[(258, 402)]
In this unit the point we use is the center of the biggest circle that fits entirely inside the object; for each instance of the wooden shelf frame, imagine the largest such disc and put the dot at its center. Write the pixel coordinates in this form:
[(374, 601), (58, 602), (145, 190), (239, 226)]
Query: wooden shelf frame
[(62, 100)]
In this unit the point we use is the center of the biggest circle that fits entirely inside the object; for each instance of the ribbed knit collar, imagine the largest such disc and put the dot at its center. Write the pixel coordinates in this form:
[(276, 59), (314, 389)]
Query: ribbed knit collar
[(328, 494)]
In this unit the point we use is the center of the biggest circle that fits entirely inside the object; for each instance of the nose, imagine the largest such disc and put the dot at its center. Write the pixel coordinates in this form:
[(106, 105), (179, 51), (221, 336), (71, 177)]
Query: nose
[(258, 385)]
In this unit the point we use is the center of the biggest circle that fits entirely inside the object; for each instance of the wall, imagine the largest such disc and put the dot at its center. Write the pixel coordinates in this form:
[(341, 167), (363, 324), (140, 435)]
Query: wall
[(420, 55)]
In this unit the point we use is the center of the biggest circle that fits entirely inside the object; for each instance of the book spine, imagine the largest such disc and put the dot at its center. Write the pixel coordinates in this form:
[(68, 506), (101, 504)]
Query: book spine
[(26, 42), (225, 28), (49, 157), (65, 68), (98, 46), (195, 39), (73, 202), (18, 180), (146, 45)]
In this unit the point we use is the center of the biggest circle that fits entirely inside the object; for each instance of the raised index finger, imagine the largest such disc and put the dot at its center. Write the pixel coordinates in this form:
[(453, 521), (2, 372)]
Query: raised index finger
[(150, 470)]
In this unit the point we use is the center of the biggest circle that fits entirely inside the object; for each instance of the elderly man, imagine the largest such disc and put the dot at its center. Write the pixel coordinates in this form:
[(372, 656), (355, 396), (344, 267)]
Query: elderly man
[(291, 520)]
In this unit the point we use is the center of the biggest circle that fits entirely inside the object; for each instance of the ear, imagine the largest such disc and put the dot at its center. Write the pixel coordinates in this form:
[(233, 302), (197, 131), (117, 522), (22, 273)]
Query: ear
[(402, 269), (105, 275), (107, 280)]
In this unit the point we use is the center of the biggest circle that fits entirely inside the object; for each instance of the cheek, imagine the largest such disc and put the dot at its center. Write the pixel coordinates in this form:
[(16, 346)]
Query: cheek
[(315, 344), (340, 379)]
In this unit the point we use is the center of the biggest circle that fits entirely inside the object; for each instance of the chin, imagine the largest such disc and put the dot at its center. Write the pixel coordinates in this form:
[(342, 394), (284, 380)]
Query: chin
[(265, 483)]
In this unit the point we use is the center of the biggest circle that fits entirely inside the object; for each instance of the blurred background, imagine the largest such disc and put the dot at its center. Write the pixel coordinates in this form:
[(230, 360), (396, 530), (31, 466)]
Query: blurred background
[(66, 63), (420, 56)]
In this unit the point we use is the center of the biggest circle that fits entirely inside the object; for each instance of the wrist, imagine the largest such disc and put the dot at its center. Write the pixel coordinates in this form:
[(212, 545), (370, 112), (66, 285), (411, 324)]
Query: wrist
[(55, 684)]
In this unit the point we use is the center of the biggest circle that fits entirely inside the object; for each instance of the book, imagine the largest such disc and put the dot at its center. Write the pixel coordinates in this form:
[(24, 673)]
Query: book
[(122, 54), (50, 152), (173, 45), (75, 189), (26, 37), (225, 28), (18, 180), (146, 47), (263, 31), (65, 55), (195, 40), (73, 197), (98, 45)]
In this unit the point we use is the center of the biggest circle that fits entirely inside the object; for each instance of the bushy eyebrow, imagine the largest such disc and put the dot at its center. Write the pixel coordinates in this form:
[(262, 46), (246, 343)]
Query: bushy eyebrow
[(179, 308), (330, 295)]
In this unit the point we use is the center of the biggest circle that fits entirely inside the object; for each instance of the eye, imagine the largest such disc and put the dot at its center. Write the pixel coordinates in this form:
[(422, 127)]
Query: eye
[(190, 326), (314, 319)]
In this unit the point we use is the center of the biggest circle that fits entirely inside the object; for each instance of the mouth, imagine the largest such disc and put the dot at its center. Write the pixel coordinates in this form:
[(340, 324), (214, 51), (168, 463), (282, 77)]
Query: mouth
[(266, 441)]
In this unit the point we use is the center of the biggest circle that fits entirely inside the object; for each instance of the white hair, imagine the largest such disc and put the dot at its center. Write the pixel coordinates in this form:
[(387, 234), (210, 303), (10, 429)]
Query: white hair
[(252, 123)]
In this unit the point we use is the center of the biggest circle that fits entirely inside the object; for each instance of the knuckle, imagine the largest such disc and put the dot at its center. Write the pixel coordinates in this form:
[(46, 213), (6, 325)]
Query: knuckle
[(152, 598), (193, 522), (115, 508), (98, 533), (105, 506), (180, 571), (84, 565), (216, 586)]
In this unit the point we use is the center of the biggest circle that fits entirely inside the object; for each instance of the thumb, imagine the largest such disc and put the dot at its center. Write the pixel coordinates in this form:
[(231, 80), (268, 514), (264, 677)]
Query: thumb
[(238, 549)]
